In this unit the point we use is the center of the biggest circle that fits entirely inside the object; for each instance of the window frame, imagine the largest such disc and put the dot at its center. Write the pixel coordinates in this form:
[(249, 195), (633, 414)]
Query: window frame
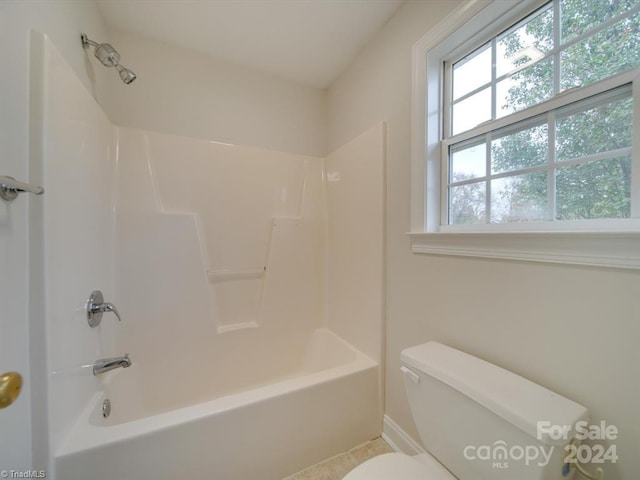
[(607, 242)]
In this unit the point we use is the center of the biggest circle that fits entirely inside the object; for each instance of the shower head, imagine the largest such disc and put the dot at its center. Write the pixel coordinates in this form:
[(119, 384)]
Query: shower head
[(126, 75), (109, 57)]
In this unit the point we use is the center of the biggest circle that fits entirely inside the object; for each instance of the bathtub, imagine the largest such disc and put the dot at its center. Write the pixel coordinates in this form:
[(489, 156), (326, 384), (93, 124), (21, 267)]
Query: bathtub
[(316, 396)]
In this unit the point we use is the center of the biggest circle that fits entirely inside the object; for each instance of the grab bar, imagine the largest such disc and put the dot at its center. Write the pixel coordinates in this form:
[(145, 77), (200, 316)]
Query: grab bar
[(10, 188)]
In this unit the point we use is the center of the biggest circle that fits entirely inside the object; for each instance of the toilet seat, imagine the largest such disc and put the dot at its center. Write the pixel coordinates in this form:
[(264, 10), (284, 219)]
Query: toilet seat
[(398, 466)]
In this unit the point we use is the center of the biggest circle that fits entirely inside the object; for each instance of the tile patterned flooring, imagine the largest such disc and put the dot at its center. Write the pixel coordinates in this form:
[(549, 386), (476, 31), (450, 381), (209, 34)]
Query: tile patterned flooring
[(335, 468)]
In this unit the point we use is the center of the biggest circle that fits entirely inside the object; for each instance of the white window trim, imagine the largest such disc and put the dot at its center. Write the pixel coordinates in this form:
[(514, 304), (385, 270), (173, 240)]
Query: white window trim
[(608, 244)]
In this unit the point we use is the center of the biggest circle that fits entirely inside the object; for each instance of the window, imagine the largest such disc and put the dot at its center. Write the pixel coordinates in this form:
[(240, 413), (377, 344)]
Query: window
[(524, 120), (570, 163)]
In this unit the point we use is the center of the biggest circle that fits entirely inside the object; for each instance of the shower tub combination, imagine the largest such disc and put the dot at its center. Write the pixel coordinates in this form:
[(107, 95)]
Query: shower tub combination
[(255, 353), (298, 417)]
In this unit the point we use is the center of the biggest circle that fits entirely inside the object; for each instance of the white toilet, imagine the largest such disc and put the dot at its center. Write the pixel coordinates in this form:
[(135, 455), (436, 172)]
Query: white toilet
[(477, 421)]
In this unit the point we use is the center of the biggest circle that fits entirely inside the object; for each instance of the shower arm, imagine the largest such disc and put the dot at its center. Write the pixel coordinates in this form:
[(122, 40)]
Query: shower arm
[(86, 42)]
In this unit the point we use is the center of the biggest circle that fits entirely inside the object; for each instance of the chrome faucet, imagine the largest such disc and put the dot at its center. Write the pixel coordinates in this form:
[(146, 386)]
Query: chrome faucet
[(106, 364)]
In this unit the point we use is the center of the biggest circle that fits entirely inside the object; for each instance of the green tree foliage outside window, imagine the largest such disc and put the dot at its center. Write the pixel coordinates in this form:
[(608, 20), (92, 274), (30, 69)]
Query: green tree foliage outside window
[(596, 187)]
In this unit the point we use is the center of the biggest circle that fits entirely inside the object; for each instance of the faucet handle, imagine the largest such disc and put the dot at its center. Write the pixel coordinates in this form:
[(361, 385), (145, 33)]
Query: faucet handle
[(96, 306), (110, 307)]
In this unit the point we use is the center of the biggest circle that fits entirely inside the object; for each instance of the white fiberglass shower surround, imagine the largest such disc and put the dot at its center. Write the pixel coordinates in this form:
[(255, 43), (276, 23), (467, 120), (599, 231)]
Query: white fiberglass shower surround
[(249, 283)]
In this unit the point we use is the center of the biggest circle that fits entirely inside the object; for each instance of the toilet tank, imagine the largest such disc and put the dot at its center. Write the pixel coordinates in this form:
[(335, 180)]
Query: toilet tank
[(484, 422)]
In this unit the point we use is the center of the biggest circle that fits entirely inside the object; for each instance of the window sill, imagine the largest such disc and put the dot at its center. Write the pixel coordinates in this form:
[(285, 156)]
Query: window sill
[(599, 249)]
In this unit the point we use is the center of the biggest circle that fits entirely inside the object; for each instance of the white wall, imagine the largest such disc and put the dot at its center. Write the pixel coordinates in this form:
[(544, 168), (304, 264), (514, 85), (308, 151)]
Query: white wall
[(79, 174), (63, 21), (187, 93), (355, 241), (571, 329), (228, 242)]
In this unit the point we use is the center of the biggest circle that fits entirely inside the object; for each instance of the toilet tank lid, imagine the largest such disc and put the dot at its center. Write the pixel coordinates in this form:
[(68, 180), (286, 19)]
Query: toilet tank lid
[(512, 397)]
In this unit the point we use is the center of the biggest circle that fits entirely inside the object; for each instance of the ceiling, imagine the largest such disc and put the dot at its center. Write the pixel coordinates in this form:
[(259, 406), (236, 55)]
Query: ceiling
[(307, 41)]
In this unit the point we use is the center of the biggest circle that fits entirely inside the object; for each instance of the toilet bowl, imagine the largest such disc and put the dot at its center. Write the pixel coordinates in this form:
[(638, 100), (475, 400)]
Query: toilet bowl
[(476, 421), (392, 466)]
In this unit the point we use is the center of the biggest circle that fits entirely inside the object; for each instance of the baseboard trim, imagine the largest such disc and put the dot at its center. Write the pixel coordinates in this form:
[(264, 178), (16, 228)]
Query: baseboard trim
[(398, 439)]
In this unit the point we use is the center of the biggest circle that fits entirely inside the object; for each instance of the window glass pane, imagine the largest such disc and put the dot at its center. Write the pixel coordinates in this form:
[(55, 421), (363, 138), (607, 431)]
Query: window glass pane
[(526, 44), (472, 111), (468, 163), (598, 189), (521, 198), (526, 88), (578, 16), (519, 150), (589, 141), (610, 51), (600, 129), (467, 204), (472, 72)]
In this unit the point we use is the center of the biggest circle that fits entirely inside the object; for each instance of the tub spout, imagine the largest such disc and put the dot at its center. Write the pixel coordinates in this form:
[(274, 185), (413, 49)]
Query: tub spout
[(106, 364)]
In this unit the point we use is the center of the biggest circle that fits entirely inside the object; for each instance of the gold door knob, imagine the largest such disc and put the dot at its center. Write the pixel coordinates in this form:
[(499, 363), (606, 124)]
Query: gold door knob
[(10, 386)]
